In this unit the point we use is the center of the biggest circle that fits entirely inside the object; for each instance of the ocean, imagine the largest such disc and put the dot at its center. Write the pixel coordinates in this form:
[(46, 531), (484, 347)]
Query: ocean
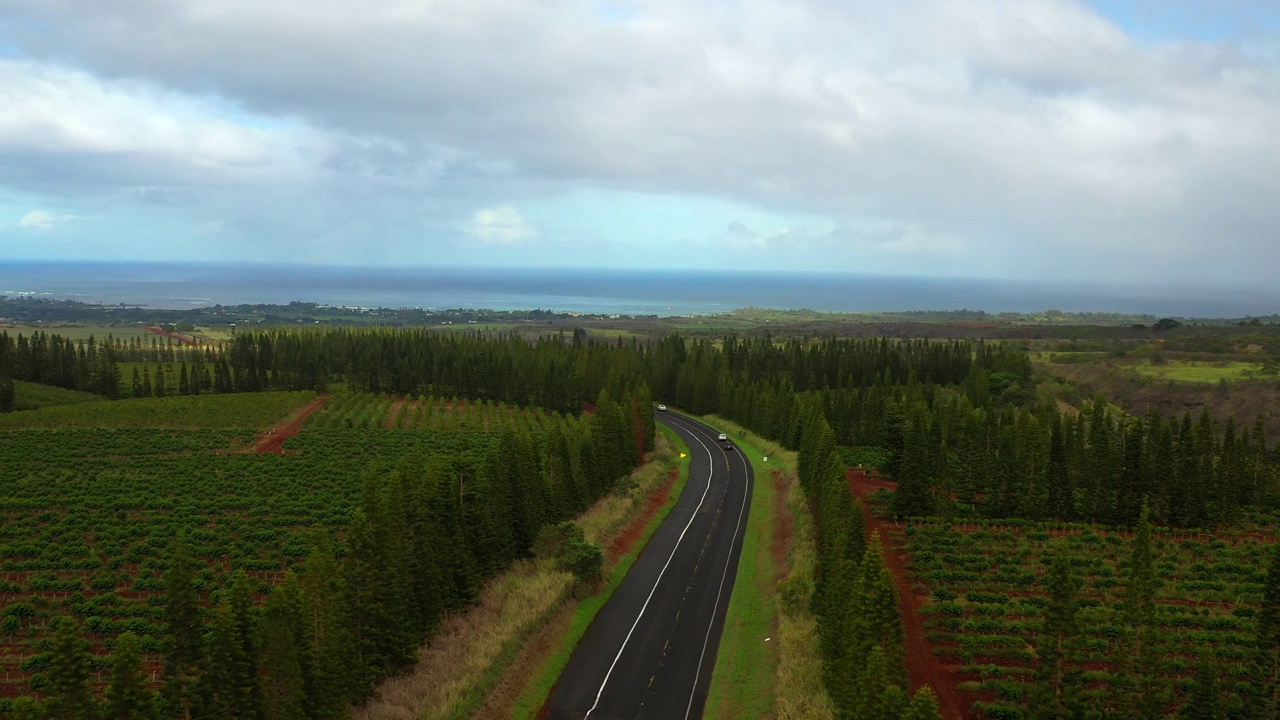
[(632, 292)]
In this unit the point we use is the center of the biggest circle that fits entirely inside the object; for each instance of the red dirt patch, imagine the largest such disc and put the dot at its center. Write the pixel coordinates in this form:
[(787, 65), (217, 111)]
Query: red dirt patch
[(176, 336), (394, 414), (923, 667), (784, 530), (272, 441), (630, 534)]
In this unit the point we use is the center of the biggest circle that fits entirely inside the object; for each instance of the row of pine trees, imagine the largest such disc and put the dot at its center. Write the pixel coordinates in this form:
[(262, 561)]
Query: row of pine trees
[(855, 598), (963, 431)]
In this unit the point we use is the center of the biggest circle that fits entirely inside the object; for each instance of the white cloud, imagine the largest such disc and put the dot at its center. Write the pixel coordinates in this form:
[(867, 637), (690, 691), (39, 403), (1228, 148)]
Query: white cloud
[(1035, 134), (39, 220), (500, 225)]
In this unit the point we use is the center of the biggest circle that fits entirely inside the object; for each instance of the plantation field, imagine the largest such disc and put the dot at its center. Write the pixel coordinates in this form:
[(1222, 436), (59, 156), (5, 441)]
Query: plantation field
[(242, 410), (91, 497), (983, 596), (355, 410), (33, 396)]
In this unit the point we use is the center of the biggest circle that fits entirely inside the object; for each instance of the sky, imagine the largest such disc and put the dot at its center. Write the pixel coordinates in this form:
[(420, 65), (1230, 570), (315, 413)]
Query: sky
[(1113, 140)]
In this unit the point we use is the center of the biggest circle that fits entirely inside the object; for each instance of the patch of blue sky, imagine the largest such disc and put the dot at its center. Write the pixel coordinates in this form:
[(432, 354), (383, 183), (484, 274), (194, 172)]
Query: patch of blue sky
[(1192, 20), (654, 220), (236, 113), (10, 50), (615, 12)]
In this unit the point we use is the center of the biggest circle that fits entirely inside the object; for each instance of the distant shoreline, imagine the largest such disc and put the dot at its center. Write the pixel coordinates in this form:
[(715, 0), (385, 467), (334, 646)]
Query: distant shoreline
[(182, 286)]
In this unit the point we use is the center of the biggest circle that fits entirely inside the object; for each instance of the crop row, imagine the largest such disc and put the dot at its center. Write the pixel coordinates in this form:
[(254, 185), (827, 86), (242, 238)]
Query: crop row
[(240, 410), (353, 410), (987, 601)]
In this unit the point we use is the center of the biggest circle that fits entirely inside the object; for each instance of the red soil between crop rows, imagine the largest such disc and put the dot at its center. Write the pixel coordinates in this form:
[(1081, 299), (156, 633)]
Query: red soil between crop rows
[(393, 414), (272, 441), (923, 667)]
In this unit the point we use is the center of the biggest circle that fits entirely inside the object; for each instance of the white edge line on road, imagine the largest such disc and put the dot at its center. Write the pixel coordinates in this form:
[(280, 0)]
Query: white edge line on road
[(710, 474), (716, 607)]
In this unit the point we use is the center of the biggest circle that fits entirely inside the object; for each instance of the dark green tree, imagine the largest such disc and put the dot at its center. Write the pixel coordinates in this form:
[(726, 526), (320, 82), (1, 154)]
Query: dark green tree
[(184, 648), (128, 696), (70, 696), (1204, 702), (280, 677), (1266, 670), (1057, 697)]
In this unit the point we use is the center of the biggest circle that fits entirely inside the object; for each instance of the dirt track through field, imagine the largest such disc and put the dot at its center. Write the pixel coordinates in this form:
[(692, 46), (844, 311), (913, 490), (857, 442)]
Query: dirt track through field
[(923, 667), (176, 336), (393, 414), (272, 441)]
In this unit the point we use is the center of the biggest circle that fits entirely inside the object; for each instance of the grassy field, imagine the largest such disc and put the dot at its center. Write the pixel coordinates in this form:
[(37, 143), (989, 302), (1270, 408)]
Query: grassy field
[(32, 396), (542, 677), (1201, 372), (84, 332)]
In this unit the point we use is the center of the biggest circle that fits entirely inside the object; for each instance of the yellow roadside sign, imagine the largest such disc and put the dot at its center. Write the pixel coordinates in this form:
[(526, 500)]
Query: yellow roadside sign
[(683, 455)]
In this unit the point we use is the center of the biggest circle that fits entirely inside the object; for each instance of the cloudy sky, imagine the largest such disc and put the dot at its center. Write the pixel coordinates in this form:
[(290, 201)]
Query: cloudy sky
[(1030, 139)]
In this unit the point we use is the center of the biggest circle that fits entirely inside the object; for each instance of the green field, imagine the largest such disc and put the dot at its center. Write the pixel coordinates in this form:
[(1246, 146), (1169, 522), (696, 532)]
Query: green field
[(84, 332), (1201, 372), (251, 410), (31, 396)]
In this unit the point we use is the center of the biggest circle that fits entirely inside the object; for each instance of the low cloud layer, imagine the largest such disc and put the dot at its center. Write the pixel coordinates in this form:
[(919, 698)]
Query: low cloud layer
[(1016, 138)]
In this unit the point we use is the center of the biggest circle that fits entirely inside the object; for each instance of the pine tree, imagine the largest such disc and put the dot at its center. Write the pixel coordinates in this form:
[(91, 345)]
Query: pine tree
[(1136, 691), (67, 680), (1061, 493), (248, 701), (1057, 695), (327, 636), (873, 697), (924, 706), (879, 621), (8, 393), (280, 674), (184, 652), (129, 695), (220, 689), (1266, 670), (1204, 701)]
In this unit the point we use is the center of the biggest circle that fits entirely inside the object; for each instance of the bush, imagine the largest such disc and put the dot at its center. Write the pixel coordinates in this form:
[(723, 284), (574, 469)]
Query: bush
[(566, 546)]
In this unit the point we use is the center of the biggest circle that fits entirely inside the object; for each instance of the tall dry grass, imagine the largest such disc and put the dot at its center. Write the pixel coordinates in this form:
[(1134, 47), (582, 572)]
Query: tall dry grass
[(604, 519), (799, 693), (456, 668)]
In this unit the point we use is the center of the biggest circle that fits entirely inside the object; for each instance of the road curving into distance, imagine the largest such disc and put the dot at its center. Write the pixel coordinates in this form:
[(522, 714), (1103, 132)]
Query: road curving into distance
[(650, 651)]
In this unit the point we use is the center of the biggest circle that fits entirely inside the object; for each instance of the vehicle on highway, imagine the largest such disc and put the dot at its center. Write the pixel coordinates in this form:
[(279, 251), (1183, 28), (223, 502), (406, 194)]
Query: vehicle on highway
[(662, 408), (723, 437)]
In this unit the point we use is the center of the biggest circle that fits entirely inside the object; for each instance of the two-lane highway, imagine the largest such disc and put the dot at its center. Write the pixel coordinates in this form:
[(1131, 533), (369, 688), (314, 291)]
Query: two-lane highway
[(651, 649)]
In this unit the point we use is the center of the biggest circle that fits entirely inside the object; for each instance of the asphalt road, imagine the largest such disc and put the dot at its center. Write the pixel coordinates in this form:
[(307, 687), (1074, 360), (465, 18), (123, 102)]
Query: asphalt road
[(651, 649)]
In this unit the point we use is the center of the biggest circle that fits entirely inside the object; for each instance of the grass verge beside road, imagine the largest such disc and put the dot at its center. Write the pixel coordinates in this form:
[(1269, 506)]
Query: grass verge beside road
[(743, 683), (780, 677)]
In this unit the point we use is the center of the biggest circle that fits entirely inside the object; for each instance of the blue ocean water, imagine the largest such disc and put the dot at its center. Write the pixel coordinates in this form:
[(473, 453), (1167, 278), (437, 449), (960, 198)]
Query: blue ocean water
[(635, 292)]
